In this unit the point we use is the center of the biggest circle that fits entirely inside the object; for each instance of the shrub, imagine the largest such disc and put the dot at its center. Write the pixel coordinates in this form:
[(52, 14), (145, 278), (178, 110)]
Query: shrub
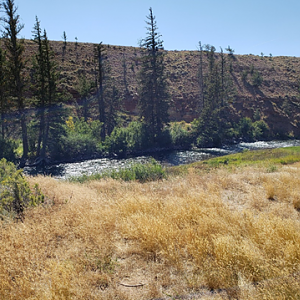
[(257, 79), (15, 193), (244, 75), (248, 130), (245, 129), (260, 129), (76, 144), (81, 139), (209, 131), (132, 138), (150, 171), (142, 172), (136, 136), (180, 135), (117, 142)]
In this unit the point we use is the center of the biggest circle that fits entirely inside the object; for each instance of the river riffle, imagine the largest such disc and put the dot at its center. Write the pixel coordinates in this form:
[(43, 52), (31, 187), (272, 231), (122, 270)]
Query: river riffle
[(167, 158)]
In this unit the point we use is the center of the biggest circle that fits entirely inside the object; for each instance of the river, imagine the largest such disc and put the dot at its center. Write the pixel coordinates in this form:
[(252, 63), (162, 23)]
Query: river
[(167, 158)]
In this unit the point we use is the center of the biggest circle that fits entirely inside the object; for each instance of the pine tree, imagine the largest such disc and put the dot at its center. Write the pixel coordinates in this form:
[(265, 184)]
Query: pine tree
[(100, 75), (45, 88), (40, 81), (15, 57), (153, 86), (3, 92), (64, 48), (213, 122), (200, 74), (84, 88), (125, 73), (113, 107), (223, 62), (52, 116)]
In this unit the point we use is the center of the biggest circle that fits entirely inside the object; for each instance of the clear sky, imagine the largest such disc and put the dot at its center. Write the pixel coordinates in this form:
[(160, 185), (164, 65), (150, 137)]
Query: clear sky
[(252, 26)]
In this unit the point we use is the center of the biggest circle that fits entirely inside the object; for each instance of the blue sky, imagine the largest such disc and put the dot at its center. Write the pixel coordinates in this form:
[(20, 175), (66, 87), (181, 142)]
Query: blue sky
[(252, 26)]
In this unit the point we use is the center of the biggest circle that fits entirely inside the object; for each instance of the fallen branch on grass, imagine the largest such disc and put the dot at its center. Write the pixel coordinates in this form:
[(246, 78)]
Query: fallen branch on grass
[(132, 285)]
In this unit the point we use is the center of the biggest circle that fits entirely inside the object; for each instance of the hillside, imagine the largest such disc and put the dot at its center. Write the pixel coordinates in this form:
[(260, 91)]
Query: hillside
[(276, 99)]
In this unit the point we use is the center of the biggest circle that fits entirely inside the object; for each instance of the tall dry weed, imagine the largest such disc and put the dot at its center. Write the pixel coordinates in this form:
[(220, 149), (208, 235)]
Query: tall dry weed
[(181, 236)]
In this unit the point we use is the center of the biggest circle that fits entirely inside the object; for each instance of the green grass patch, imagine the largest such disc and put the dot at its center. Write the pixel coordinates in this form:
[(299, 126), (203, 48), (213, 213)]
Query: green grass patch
[(141, 172), (266, 157)]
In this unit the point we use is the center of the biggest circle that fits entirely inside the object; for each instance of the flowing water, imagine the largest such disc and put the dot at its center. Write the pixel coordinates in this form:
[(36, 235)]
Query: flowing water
[(167, 158)]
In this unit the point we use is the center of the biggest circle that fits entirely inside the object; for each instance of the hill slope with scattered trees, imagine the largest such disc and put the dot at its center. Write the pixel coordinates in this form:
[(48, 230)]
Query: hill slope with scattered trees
[(71, 100), (268, 86)]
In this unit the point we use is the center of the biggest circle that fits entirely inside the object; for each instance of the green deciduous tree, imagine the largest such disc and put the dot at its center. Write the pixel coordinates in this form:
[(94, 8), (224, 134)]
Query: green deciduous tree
[(154, 94)]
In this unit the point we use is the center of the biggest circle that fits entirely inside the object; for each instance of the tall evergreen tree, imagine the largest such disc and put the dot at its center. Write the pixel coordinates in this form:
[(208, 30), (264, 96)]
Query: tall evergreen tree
[(107, 94), (125, 73), (45, 88), (84, 87), (51, 116), (15, 56), (223, 62), (3, 92), (64, 48), (213, 122), (200, 74), (153, 86), (113, 107), (40, 80), (100, 73)]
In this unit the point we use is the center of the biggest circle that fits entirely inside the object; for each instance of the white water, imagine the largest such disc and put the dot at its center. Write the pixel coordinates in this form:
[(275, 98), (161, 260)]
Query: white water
[(168, 158)]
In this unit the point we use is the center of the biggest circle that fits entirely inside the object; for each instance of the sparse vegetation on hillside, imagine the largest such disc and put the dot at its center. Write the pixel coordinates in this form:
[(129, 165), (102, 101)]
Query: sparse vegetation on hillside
[(224, 234), (220, 93), (261, 90)]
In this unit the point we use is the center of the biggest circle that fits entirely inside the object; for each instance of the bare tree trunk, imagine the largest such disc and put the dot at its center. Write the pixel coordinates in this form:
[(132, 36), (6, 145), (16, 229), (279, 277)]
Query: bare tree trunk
[(201, 84), (100, 94), (2, 126), (41, 131), (222, 76), (24, 136)]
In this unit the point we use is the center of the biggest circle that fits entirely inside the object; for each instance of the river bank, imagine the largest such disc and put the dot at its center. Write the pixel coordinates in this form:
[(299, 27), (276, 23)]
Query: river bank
[(229, 233), (65, 170)]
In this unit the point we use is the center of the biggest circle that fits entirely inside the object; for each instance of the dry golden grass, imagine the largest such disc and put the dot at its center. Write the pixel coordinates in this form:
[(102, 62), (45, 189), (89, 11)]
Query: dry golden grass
[(226, 234)]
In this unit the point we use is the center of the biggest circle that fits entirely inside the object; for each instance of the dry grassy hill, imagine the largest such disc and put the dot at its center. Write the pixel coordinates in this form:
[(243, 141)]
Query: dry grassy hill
[(277, 98)]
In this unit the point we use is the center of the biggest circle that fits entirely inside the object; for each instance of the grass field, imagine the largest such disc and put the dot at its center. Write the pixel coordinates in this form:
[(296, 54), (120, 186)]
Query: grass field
[(227, 228)]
